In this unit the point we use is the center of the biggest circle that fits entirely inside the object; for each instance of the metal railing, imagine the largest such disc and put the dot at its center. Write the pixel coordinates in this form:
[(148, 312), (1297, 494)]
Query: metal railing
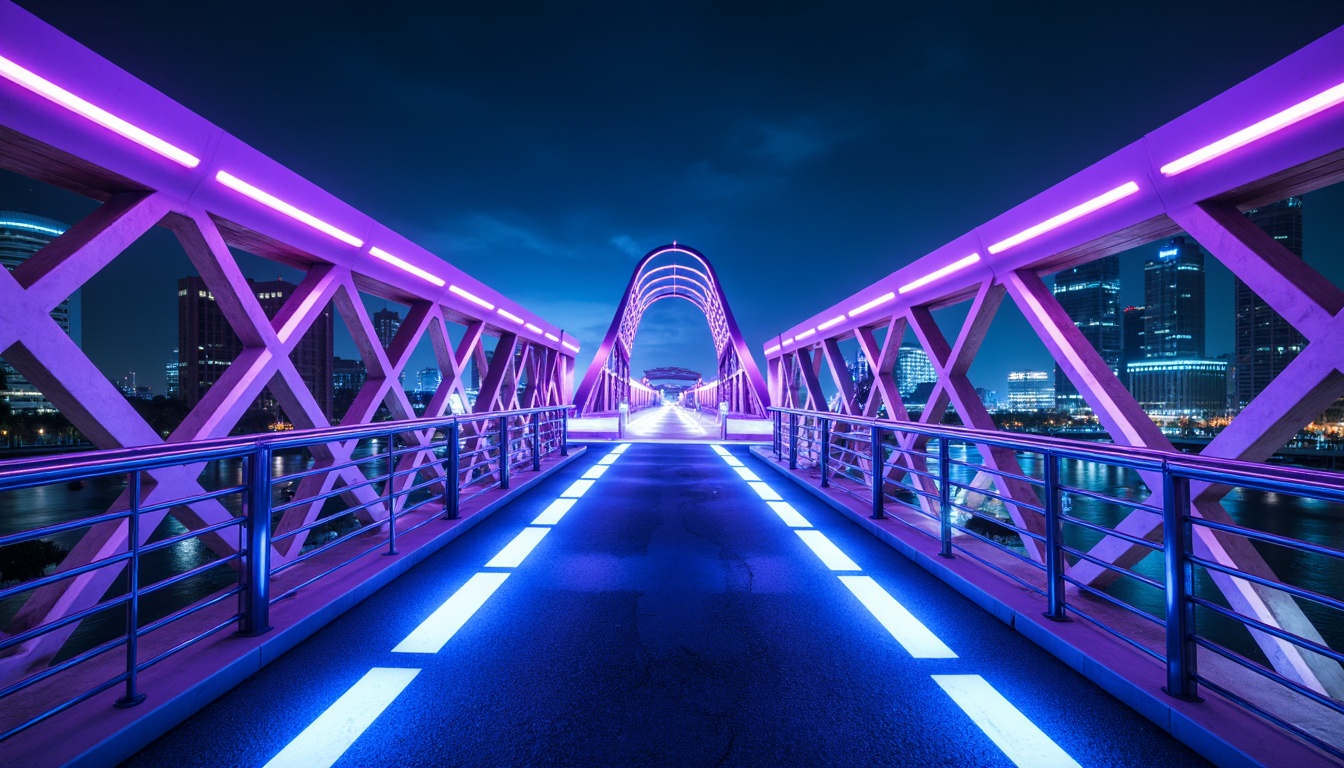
[(1021, 505), (280, 528)]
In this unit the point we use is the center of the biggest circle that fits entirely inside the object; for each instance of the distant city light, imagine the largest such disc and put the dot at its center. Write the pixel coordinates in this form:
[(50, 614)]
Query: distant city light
[(1300, 111), (879, 301), (955, 266), (1078, 211), (405, 265), (58, 95), (271, 201), (473, 298), (34, 227)]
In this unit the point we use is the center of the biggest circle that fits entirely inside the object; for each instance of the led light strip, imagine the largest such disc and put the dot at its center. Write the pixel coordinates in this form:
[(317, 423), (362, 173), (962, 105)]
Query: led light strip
[(1005, 725), (569, 346), (58, 95), (879, 301), (1078, 211), (834, 321), (275, 203), (469, 296), (1276, 122), (772, 350), (405, 265), (805, 334), (323, 742), (502, 312), (955, 266)]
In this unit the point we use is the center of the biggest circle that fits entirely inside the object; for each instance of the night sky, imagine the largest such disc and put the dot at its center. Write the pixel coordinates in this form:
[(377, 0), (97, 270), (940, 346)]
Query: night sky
[(806, 149)]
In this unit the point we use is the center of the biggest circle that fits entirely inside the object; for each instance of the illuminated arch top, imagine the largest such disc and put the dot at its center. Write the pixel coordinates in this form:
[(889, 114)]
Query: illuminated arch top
[(660, 276)]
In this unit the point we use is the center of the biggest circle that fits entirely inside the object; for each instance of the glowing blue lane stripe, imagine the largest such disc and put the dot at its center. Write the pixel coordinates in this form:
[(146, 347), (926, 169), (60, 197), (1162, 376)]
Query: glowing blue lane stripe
[(791, 517), (576, 490), (765, 492), (435, 631), (594, 472), (331, 734), (733, 461), (747, 474), (719, 449), (1018, 737), (513, 553), (622, 448), (908, 631), (826, 551), (552, 514), (609, 459)]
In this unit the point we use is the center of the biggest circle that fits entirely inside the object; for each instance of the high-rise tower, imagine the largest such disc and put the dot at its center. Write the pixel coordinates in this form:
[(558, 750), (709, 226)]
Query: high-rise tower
[(1265, 342), (1173, 290), (1090, 294), (21, 236)]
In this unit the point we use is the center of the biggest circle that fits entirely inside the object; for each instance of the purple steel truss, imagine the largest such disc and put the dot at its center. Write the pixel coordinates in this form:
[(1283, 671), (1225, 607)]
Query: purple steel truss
[(72, 119), (1278, 134), (657, 277)]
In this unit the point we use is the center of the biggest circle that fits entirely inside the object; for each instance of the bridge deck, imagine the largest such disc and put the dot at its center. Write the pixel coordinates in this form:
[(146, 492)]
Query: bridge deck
[(673, 617)]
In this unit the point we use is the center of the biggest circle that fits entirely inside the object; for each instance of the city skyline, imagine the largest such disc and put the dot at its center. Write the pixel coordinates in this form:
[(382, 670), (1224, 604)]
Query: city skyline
[(879, 187)]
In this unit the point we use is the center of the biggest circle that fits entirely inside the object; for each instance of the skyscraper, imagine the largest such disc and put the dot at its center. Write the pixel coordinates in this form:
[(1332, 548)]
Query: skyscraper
[(1030, 391), (1265, 342), (207, 343), (1173, 289), (1132, 349), (385, 325), (170, 374), (912, 369), (1090, 295), (21, 236)]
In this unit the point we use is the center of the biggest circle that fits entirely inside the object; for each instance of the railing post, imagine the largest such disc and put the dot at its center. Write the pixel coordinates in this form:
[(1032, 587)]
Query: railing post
[(825, 460), (503, 453), (1181, 658), (778, 418), (879, 512), (1054, 556), (793, 441), (391, 493), (256, 613), (564, 432), (536, 441), (945, 496), (133, 696), (452, 497)]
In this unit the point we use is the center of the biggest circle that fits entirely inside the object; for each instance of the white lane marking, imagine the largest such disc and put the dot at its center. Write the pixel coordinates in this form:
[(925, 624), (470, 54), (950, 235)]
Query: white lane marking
[(825, 550), (908, 631), (609, 459), (511, 556), (747, 474), (552, 514), (576, 490), (1018, 737), (435, 631), (594, 472), (622, 448), (733, 461), (791, 517), (719, 449), (765, 492), (331, 734)]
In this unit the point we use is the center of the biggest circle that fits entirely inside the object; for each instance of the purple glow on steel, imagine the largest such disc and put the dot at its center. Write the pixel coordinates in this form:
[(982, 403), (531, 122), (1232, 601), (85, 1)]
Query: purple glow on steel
[(58, 95), (509, 315), (405, 265), (879, 301), (532, 327), (1096, 203), (805, 334), (772, 350), (569, 346), (273, 202), (551, 337), (831, 323), (955, 266), (1300, 111), (473, 298)]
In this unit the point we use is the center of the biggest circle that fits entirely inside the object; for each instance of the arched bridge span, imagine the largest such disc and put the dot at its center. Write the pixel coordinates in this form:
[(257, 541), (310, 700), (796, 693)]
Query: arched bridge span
[(658, 276)]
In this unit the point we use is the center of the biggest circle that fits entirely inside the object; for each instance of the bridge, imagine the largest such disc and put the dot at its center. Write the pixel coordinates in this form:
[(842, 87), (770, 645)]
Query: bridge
[(791, 568)]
